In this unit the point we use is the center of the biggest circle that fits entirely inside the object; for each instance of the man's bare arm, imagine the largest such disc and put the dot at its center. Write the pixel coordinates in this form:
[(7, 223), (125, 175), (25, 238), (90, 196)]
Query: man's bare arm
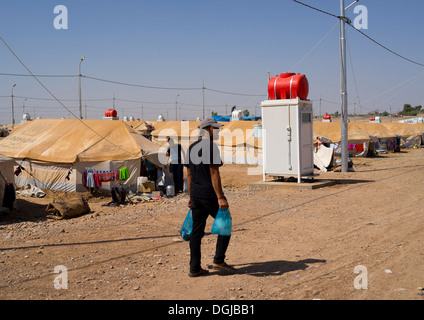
[(217, 186)]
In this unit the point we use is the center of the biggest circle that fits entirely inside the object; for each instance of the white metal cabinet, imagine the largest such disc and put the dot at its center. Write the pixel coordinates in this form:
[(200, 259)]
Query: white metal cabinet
[(287, 138)]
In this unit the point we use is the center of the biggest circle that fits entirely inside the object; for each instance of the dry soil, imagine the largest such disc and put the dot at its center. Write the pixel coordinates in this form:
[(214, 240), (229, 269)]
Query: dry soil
[(360, 239)]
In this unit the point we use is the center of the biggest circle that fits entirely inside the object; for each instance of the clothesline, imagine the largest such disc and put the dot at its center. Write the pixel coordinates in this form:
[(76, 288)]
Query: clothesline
[(90, 179)]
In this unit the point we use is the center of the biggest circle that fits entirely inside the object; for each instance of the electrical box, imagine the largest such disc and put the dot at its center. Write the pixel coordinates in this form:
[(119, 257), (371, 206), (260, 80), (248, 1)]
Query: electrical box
[(287, 138)]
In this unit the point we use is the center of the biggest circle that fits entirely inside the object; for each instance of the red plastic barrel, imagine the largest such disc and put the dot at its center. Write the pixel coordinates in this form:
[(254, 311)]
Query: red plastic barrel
[(288, 86), (111, 113)]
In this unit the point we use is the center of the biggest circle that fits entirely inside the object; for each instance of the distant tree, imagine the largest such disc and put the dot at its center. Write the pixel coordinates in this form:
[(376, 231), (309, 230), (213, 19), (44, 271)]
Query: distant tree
[(246, 113), (408, 110), (214, 113)]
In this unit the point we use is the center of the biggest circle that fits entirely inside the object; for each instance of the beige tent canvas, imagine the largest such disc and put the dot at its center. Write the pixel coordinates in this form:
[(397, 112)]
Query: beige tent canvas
[(183, 130), (140, 126), (377, 130), (409, 134), (236, 142), (420, 127), (332, 131), (382, 137), (55, 153), (239, 144)]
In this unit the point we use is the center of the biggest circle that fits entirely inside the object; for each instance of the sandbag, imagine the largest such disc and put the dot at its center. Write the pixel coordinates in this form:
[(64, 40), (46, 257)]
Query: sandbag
[(67, 209)]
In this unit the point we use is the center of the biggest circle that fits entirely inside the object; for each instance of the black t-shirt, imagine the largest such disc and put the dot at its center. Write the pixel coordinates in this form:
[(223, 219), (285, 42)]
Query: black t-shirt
[(201, 155)]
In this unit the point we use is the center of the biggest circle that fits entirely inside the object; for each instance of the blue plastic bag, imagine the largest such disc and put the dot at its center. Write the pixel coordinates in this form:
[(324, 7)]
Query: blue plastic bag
[(187, 227), (223, 223)]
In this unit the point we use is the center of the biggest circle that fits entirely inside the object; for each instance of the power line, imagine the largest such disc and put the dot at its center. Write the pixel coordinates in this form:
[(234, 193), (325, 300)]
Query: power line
[(310, 51), (384, 47), (134, 85), (39, 75), (51, 99), (237, 94), (138, 85), (364, 34), (70, 112), (319, 10)]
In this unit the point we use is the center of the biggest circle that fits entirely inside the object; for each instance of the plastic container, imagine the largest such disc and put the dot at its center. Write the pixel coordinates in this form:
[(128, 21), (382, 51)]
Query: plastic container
[(288, 86), (170, 191), (111, 113), (257, 131)]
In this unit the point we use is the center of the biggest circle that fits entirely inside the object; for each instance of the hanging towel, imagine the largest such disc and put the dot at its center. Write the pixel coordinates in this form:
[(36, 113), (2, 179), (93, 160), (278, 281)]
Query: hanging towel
[(90, 179), (105, 177), (97, 180), (84, 178), (116, 175), (123, 173)]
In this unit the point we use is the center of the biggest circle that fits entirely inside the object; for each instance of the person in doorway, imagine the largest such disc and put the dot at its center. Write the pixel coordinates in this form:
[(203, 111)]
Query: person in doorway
[(205, 195), (176, 166)]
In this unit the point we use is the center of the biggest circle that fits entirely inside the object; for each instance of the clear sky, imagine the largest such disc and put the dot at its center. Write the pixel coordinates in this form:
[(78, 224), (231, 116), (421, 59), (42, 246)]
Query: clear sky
[(228, 44)]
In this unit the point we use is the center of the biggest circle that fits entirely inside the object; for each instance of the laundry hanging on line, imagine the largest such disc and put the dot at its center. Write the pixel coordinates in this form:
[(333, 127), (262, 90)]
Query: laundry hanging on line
[(94, 179)]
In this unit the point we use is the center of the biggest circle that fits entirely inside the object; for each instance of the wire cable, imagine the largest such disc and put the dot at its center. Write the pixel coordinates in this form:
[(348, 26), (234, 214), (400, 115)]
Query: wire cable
[(170, 88), (45, 88), (138, 85), (237, 94), (353, 73), (319, 10), (39, 75), (384, 47), (364, 34), (314, 47)]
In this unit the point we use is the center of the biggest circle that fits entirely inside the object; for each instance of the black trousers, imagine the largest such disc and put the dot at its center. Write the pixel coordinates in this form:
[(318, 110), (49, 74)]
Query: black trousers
[(201, 209), (178, 176)]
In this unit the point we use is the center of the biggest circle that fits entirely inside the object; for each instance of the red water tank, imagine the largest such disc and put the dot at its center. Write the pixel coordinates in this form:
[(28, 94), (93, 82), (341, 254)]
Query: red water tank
[(326, 117), (111, 113), (372, 119), (288, 86)]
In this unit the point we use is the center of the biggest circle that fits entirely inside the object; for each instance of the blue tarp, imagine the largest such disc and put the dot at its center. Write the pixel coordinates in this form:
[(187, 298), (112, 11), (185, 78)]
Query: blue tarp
[(222, 118), (251, 118), (228, 118)]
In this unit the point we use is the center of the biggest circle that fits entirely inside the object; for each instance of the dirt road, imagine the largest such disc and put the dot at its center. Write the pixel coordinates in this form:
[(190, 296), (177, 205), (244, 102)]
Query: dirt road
[(287, 243)]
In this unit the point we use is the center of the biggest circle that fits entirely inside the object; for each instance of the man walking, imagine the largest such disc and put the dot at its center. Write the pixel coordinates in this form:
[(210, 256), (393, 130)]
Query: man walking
[(176, 166), (206, 195)]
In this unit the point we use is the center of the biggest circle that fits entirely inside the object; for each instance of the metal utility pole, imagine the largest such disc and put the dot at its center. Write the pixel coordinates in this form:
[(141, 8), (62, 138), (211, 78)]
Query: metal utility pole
[(176, 108), (269, 77), (23, 106), (13, 109), (203, 98), (343, 80), (79, 77)]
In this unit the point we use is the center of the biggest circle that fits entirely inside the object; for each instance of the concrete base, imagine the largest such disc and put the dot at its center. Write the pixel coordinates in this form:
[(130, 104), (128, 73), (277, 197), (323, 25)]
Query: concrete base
[(309, 184)]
